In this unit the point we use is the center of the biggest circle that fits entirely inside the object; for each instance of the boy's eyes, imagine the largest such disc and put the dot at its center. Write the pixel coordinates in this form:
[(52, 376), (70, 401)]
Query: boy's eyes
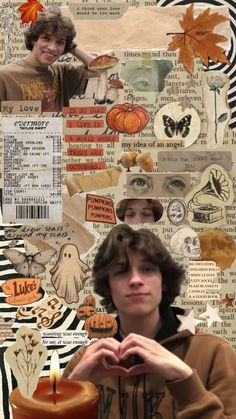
[(48, 38), (61, 41), (120, 271), (143, 213), (143, 268), (149, 268)]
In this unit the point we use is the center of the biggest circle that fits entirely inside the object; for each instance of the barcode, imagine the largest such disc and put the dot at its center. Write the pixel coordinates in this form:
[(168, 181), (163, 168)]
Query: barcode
[(32, 211)]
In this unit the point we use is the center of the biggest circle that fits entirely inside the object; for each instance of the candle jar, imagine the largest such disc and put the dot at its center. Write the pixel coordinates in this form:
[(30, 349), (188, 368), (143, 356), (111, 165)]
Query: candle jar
[(72, 399)]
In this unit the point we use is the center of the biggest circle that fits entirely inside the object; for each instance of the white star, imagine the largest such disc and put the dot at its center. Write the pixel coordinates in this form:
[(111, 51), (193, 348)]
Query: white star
[(188, 322), (211, 315)]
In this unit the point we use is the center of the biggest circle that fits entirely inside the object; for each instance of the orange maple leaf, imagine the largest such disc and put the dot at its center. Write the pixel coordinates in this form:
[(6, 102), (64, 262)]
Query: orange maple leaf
[(198, 39), (30, 10)]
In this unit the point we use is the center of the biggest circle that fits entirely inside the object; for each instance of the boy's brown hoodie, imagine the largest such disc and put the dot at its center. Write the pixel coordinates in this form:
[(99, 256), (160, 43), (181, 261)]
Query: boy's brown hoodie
[(209, 393)]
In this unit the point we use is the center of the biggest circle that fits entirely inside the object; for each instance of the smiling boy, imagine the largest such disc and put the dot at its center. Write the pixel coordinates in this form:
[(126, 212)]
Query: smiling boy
[(149, 369), (38, 76)]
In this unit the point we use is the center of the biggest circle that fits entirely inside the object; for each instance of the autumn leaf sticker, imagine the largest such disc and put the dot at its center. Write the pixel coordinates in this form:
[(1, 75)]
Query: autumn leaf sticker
[(30, 11), (198, 39)]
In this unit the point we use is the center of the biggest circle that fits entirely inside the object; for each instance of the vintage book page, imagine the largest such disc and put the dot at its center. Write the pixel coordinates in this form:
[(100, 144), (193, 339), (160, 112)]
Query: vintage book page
[(68, 169)]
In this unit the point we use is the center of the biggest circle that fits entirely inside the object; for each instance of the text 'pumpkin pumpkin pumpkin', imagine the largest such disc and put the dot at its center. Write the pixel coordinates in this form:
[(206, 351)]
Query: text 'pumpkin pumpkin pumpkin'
[(101, 325), (127, 118)]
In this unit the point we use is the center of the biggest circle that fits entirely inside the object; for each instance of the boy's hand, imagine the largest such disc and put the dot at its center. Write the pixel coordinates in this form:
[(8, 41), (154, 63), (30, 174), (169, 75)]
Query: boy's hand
[(93, 365), (156, 359), (110, 357)]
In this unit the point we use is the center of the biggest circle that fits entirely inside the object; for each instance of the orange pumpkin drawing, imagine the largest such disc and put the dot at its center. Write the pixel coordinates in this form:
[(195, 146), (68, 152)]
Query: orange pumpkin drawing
[(101, 325), (127, 117), (85, 311)]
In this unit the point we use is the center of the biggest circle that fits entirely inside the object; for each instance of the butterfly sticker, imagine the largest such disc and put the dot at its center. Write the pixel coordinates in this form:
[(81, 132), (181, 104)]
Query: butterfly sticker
[(174, 128), (29, 265)]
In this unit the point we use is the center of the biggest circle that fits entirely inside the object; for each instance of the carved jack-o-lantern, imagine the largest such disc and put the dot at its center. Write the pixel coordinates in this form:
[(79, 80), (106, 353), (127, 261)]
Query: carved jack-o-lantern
[(101, 325), (90, 300), (85, 311)]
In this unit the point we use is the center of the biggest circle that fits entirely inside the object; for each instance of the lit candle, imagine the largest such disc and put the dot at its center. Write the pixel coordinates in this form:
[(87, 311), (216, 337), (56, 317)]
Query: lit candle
[(56, 398)]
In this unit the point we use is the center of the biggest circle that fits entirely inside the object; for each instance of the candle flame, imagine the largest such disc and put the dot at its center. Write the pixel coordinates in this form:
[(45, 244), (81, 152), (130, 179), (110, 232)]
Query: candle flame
[(54, 369)]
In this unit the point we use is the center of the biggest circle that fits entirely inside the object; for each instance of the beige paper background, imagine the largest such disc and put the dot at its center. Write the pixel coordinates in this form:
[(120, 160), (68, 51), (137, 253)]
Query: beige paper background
[(138, 28)]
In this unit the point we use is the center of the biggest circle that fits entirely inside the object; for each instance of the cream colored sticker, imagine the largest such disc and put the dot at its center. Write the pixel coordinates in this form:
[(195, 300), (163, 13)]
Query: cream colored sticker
[(124, 33), (32, 176), (193, 161), (172, 123), (25, 107), (215, 85), (176, 211), (59, 337), (202, 283), (185, 242), (188, 322), (26, 358), (53, 237), (29, 265), (74, 206), (69, 274), (76, 233), (206, 202), (6, 329), (210, 315), (99, 10), (86, 183)]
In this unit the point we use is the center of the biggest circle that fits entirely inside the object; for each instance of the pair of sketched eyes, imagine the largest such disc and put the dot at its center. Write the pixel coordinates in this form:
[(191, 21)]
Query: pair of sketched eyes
[(144, 183)]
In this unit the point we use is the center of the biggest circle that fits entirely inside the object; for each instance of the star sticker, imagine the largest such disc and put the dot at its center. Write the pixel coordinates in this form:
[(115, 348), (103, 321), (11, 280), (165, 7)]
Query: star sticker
[(211, 315), (227, 301), (188, 322)]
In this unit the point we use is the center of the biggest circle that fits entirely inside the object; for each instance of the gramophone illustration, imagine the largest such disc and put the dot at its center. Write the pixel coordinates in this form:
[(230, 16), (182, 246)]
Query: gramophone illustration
[(207, 201)]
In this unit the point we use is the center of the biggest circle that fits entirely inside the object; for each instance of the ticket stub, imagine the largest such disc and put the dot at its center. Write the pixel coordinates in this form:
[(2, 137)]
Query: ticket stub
[(32, 170)]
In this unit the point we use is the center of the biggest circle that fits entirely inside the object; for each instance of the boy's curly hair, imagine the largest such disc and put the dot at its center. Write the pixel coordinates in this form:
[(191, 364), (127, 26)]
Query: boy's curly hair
[(51, 21)]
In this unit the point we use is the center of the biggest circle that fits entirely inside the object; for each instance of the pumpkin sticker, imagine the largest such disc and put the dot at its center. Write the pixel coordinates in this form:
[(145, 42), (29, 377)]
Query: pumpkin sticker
[(90, 300), (88, 308), (85, 311), (127, 117), (101, 325)]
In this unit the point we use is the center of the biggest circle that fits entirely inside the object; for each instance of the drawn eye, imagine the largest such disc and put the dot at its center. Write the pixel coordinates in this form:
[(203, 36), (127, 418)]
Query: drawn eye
[(140, 184), (173, 185), (141, 84), (65, 255)]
